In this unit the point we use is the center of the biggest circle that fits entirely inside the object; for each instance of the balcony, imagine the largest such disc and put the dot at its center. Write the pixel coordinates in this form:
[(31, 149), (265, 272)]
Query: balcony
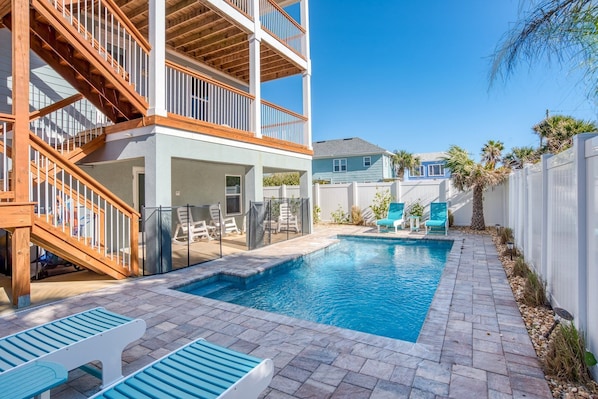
[(220, 38)]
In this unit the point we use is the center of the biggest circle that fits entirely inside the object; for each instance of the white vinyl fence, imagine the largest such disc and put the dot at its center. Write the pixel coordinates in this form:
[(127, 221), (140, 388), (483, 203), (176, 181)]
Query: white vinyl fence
[(553, 211), (333, 197)]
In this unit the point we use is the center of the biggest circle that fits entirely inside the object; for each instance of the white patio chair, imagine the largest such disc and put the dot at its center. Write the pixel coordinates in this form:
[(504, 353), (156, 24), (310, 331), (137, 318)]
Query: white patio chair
[(286, 219), (189, 230), (221, 224)]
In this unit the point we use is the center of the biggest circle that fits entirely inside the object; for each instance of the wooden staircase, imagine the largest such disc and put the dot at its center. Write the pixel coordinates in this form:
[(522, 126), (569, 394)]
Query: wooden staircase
[(75, 217)]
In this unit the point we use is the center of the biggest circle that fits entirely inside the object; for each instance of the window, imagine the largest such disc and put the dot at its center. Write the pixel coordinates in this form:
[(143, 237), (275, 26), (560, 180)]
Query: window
[(367, 162), (435, 170), (233, 195), (419, 171), (339, 165)]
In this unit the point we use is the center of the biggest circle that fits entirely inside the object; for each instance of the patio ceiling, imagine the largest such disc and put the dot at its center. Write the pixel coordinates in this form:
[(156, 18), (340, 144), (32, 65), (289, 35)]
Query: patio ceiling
[(205, 35)]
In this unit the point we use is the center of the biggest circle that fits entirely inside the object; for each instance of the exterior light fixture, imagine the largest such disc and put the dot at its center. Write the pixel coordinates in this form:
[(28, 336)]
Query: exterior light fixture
[(559, 313), (510, 246)]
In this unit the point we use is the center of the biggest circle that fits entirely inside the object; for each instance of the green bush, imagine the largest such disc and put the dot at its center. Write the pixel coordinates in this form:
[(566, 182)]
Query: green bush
[(339, 216), (567, 357), (317, 212), (415, 209), (380, 203), (534, 293), (520, 268), (356, 217)]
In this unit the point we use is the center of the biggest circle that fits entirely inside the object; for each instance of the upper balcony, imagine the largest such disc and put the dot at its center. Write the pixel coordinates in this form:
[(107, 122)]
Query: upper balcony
[(216, 33)]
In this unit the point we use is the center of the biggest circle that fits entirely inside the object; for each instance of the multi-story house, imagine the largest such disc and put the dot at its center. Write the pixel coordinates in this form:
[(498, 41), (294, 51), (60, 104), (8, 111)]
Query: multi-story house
[(431, 167), (351, 160), (110, 105)]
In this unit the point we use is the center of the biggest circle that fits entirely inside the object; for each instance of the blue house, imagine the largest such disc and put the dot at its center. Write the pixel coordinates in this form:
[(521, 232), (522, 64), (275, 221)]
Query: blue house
[(350, 160), (431, 167)]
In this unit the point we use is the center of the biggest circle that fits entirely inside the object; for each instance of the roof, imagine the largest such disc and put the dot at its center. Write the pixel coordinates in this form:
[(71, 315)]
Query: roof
[(431, 156), (349, 147)]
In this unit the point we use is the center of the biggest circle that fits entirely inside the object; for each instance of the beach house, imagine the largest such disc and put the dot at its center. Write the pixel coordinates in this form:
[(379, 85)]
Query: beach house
[(108, 107)]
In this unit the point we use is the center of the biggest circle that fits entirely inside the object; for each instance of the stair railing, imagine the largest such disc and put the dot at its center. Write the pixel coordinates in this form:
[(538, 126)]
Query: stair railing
[(73, 202), (6, 193), (68, 127), (112, 35)]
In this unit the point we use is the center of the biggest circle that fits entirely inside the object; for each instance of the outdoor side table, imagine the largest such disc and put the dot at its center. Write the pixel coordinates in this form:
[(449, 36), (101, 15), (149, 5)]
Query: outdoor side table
[(413, 223)]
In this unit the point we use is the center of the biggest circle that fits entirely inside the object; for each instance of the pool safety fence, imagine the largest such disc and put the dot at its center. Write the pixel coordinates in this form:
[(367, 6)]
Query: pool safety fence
[(277, 219)]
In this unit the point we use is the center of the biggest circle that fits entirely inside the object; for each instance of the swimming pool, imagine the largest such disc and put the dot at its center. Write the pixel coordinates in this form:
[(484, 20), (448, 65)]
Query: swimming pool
[(377, 286)]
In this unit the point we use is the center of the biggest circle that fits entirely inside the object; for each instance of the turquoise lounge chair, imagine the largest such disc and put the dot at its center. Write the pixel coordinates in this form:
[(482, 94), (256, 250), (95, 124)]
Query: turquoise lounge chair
[(394, 218), (197, 370), (438, 216)]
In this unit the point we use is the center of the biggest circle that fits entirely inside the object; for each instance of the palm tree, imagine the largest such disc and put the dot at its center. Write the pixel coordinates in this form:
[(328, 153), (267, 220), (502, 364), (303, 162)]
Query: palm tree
[(467, 174), (519, 156), (561, 30), (491, 153), (404, 160), (556, 132)]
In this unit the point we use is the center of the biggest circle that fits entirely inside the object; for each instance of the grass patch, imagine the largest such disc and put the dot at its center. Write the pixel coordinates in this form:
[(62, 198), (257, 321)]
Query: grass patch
[(520, 268), (534, 292), (566, 356), (506, 235)]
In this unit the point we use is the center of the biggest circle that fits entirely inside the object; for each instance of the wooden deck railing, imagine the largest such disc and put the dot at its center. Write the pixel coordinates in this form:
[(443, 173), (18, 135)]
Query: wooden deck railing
[(282, 124), (195, 96), (70, 200), (69, 127), (112, 35), (281, 25)]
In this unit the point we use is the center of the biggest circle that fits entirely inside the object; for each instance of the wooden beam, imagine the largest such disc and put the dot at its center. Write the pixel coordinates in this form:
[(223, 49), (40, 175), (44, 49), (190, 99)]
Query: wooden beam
[(16, 214), (55, 107), (21, 275)]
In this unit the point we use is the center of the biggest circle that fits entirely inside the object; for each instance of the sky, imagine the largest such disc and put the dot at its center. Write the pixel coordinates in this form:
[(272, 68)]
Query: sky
[(413, 75)]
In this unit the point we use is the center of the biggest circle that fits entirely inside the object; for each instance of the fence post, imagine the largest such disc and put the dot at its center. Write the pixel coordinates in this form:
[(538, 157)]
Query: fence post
[(283, 191), (544, 233), (582, 232), (354, 196)]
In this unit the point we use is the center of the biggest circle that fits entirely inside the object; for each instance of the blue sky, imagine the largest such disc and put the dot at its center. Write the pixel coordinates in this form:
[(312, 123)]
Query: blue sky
[(413, 75)]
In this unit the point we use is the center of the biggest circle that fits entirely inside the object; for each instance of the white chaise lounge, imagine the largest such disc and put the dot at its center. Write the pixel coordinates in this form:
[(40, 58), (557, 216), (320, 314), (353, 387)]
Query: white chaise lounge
[(71, 342), (197, 370)]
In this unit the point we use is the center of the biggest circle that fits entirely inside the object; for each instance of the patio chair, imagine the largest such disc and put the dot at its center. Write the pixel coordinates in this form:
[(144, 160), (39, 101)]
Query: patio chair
[(286, 219), (199, 369), (221, 224), (394, 218), (438, 217), (189, 230)]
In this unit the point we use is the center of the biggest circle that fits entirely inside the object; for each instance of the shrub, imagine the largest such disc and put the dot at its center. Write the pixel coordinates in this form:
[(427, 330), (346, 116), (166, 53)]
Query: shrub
[(339, 216), (520, 268), (506, 235), (356, 217), (380, 203), (566, 356), (534, 293), (317, 211), (415, 209), (451, 218)]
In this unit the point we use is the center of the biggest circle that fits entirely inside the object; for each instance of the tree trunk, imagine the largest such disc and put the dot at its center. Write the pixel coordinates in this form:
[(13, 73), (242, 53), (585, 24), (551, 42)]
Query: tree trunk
[(477, 217)]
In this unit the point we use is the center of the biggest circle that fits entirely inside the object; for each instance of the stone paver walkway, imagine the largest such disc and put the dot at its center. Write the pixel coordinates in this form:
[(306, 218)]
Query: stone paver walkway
[(473, 344)]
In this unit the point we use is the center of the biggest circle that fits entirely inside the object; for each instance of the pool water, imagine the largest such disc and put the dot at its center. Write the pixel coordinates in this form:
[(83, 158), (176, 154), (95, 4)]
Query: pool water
[(377, 286)]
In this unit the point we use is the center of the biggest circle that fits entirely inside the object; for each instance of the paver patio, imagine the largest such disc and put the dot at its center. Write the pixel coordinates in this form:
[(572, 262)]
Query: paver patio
[(473, 344)]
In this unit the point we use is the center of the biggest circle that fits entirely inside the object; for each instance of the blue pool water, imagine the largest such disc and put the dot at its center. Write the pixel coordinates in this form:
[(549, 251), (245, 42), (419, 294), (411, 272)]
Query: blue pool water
[(378, 286)]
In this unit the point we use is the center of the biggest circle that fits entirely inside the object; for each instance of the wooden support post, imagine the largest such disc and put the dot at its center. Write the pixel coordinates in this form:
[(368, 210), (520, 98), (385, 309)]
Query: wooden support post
[(21, 288)]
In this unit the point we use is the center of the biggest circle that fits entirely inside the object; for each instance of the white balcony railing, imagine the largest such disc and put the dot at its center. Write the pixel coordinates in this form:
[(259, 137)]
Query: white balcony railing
[(111, 34), (245, 6), (195, 96), (280, 24), (283, 124)]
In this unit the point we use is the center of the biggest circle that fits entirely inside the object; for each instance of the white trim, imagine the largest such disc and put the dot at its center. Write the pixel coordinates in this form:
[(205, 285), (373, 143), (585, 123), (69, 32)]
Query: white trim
[(157, 129), (369, 162), (430, 174), (227, 195), (340, 165)]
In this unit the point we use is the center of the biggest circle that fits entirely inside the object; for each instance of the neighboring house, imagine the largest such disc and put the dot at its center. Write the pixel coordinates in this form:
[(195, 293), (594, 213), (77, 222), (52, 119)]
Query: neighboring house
[(116, 106), (431, 167), (350, 160)]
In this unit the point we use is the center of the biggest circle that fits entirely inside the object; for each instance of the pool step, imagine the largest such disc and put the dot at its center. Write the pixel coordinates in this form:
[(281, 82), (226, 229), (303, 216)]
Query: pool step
[(211, 288)]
